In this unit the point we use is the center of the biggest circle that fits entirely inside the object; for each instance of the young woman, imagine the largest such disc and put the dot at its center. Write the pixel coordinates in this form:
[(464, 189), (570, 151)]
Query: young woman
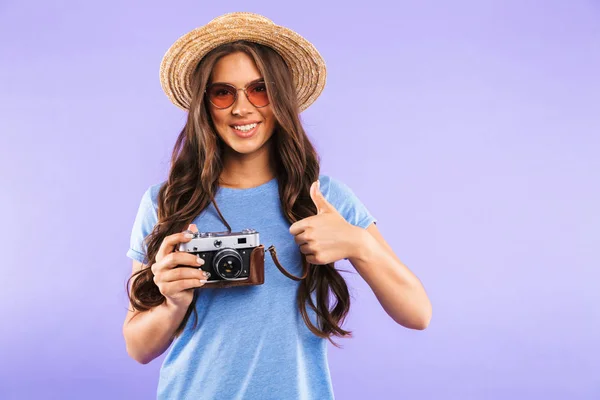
[(242, 161)]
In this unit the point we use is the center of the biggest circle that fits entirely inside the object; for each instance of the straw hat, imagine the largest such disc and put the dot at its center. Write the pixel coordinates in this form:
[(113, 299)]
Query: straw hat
[(305, 63)]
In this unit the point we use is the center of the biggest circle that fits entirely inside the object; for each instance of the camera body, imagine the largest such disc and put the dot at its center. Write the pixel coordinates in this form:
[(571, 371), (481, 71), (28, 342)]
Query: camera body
[(226, 255)]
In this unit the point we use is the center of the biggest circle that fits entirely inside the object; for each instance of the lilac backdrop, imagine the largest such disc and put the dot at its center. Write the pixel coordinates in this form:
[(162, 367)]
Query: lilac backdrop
[(470, 130)]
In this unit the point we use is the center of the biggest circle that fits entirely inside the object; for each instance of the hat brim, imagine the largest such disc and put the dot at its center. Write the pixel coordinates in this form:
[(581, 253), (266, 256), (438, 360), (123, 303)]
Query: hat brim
[(306, 64)]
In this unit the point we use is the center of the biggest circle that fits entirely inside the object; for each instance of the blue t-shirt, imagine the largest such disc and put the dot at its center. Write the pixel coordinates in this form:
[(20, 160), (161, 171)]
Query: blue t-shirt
[(250, 342)]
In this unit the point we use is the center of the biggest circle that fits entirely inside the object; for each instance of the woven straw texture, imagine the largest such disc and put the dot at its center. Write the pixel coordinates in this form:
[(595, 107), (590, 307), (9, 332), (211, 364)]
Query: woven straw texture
[(305, 63)]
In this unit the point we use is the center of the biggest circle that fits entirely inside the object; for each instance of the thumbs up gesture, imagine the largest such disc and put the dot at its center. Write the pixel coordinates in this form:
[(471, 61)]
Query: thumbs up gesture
[(326, 237)]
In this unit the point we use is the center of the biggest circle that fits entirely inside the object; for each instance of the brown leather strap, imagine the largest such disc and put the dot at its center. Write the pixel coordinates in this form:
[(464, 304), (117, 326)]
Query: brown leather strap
[(220, 215), (283, 270)]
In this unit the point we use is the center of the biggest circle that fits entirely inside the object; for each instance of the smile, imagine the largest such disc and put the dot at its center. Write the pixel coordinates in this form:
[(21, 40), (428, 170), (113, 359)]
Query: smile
[(245, 128), (245, 131)]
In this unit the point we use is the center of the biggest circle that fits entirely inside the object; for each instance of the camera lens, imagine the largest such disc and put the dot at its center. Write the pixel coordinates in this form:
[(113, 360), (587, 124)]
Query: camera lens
[(228, 264)]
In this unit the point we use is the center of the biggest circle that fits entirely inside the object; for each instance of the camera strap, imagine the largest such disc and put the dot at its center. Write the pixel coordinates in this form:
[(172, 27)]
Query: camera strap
[(271, 249), (273, 252)]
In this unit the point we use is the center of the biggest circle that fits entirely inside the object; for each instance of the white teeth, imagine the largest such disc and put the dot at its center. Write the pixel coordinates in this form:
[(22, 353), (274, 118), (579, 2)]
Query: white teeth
[(245, 128)]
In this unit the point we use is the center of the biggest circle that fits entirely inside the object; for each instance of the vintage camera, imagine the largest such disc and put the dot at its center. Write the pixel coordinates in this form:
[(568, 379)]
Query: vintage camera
[(226, 254)]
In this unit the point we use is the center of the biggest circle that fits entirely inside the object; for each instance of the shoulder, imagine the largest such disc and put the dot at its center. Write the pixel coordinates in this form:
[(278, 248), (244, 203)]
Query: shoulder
[(145, 220), (345, 201), (150, 196), (148, 206), (334, 189)]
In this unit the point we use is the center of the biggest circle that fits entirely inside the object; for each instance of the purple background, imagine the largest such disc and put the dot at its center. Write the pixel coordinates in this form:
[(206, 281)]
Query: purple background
[(470, 130)]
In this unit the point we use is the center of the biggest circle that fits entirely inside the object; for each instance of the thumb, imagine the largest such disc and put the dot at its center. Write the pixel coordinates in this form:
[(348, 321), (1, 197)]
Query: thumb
[(318, 198), (192, 227)]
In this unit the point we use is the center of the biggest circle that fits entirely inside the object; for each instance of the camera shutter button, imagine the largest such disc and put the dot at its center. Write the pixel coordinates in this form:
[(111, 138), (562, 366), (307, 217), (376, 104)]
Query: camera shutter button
[(217, 243)]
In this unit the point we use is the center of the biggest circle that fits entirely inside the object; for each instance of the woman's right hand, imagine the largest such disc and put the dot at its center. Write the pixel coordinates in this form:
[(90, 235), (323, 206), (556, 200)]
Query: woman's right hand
[(178, 284)]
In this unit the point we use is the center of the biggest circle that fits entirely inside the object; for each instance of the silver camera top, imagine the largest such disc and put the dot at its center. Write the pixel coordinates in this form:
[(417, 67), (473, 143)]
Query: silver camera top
[(211, 241)]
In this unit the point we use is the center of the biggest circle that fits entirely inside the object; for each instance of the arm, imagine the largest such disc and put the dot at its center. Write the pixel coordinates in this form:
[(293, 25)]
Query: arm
[(328, 237), (398, 290), (149, 333)]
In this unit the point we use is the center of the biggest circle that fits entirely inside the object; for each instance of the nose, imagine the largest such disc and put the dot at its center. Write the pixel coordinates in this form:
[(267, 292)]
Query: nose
[(241, 105)]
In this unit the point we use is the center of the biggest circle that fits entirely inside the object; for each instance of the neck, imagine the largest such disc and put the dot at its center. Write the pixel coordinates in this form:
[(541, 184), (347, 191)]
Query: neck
[(243, 171)]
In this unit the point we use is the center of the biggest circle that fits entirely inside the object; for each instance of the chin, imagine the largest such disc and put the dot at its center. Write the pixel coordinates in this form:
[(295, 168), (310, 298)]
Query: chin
[(245, 147), (245, 150)]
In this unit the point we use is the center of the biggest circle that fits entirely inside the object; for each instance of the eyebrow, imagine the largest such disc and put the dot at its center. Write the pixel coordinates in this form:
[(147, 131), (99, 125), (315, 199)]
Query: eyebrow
[(247, 84)]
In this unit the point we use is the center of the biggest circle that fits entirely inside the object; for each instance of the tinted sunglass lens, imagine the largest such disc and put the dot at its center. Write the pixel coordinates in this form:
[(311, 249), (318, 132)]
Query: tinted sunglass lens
[(221, 96), (257, 94)]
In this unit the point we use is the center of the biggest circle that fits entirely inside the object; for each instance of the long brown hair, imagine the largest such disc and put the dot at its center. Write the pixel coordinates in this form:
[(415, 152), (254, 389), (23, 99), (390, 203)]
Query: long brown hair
[(196, 164)]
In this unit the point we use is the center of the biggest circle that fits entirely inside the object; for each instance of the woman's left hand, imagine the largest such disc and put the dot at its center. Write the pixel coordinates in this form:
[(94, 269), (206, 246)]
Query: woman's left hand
[(326, 237)]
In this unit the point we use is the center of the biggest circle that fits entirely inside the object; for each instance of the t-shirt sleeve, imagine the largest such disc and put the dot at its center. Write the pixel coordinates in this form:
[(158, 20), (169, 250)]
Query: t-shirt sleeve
[(346, 202), (144, 223)]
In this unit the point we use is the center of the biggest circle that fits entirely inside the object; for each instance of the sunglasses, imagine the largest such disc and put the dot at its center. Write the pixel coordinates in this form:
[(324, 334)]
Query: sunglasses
[(223, 95)]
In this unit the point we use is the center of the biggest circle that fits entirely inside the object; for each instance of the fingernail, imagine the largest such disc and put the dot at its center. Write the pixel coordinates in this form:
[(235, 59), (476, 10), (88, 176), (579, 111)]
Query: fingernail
[(189, 235), (200, 261), (207, 274), (203, 281)]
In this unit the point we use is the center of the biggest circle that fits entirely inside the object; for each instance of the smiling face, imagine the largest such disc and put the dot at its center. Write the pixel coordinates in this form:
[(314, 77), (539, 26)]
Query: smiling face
[(245, 128)]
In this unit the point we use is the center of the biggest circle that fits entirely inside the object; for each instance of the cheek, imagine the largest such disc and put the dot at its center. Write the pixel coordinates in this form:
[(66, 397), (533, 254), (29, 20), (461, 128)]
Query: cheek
[(270, 128), (217, 117), (270, 119)]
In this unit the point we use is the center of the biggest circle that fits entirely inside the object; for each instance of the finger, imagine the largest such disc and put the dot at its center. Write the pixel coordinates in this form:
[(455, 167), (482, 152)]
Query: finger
[(301, 238), (171, 288), (318, 198), (192, 228), (312, 259), (169, 244), (300, 226), (316, 260), (306, 249), (172, 260), (177, 274)]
